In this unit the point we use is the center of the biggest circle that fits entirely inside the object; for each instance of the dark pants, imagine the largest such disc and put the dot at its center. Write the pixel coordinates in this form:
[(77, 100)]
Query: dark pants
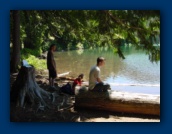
[(101, 87), (52, 73)]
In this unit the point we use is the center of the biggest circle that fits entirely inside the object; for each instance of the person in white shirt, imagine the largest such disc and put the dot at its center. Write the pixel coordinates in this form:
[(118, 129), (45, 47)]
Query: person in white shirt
[(95, 83)]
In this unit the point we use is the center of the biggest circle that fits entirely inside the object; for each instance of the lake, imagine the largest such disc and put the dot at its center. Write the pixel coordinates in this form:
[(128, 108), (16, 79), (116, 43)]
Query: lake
[(136, 73)]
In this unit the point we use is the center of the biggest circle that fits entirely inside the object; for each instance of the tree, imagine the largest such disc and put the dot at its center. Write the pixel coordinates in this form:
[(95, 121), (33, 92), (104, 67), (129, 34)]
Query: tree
[(92, 28), (105, 27), (67, 28), (15, 58)]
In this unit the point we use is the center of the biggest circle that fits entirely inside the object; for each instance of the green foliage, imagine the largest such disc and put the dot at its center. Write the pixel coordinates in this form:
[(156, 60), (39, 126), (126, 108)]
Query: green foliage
[(91, 28), (39, 64), (35, 52), (115, 50), (31, 57)]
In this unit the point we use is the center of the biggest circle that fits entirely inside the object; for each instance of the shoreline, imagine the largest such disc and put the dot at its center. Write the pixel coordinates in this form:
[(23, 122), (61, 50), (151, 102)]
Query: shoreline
[(68, 113)]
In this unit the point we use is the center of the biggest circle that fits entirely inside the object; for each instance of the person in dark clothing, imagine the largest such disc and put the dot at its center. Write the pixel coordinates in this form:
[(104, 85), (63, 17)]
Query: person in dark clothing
[(51, 65)]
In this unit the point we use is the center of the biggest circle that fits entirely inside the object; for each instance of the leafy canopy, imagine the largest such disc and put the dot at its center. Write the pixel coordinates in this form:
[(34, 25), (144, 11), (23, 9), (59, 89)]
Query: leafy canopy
[(92, 28)]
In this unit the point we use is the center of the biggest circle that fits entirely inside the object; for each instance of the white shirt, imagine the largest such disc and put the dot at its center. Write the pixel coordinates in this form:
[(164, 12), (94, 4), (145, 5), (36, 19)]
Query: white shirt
[(94, 74)]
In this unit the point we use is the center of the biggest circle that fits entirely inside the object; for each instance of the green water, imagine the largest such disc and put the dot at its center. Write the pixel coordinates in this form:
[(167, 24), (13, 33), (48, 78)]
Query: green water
[(133, 74)]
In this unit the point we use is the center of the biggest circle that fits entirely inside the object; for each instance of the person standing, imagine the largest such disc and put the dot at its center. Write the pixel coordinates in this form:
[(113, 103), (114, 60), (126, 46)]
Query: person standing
[(95, 82), (51, 65)]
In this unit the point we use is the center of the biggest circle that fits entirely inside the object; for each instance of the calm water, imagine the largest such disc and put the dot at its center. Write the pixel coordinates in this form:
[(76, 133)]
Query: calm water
[(133, 74)]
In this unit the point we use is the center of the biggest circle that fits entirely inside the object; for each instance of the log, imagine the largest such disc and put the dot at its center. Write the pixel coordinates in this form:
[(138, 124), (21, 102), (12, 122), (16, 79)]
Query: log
[(115, 101), (46, 76), (63, 74)]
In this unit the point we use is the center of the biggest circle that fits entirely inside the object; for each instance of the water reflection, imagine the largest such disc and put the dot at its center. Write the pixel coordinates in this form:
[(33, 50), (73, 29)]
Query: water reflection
[(135, 69)]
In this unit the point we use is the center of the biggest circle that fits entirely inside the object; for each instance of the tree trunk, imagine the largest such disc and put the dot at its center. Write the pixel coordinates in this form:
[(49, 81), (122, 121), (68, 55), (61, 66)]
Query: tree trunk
[(15, 58), (28, 41), (26, 88), (114, 101)]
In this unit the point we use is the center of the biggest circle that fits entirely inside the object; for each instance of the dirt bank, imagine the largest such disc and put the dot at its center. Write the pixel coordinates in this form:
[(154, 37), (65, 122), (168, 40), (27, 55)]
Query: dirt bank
[(65, 112)]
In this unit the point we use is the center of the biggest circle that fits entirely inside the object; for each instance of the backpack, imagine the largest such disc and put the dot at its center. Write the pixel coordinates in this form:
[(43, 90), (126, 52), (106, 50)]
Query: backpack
[(67, 89)]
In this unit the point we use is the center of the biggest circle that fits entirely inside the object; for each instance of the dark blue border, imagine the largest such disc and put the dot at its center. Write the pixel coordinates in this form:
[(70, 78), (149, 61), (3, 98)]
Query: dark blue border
[(166, 50)]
